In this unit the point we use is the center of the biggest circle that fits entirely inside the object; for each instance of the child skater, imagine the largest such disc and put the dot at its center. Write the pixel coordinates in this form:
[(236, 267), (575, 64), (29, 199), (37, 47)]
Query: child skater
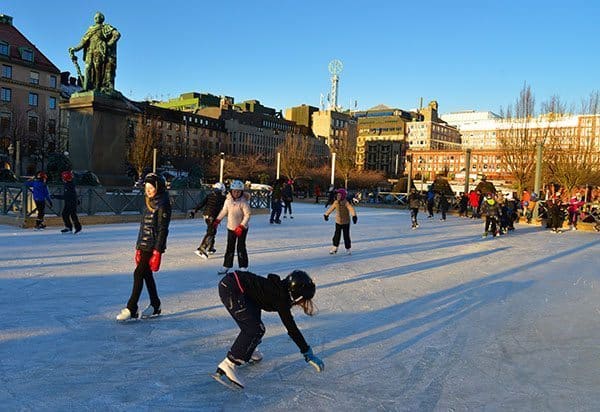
[(40, 196), (342, 220), (245, 295), (414, 201), (237, 210), (212, 204), (151, 244), (69, 213)]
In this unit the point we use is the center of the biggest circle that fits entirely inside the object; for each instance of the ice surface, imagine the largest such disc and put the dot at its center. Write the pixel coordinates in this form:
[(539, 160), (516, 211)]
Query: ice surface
[(431, 319)]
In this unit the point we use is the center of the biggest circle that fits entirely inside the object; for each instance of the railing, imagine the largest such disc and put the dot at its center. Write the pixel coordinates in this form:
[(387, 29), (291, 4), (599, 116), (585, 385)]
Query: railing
[(17, 200)]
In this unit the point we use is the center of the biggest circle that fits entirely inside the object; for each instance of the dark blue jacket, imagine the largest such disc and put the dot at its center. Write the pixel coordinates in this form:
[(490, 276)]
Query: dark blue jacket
[(40, 190)]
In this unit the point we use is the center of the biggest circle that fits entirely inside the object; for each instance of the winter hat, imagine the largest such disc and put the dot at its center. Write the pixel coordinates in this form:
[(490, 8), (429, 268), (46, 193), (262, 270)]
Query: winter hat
[(156, 181), (343, 192)]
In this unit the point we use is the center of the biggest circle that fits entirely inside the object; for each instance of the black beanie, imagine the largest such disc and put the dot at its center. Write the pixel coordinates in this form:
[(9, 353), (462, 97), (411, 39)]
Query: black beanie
[(156, 181)]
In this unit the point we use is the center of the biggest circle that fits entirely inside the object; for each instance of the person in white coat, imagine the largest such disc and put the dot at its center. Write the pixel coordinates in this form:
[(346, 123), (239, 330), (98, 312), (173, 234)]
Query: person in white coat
[(237, 211)]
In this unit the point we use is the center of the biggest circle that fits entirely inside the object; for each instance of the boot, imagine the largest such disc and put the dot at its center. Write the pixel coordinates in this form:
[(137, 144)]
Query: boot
[(227, 368)]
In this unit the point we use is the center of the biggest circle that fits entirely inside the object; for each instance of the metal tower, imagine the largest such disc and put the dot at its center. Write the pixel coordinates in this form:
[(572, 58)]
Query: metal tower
[(335, 68)]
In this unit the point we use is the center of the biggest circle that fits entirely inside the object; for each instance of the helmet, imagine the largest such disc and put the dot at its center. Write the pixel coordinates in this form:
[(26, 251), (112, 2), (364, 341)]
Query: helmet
[(343, 192), (67, 176), (42, 175), (157, 181), (300, 285), (219, 187), (237, 185)]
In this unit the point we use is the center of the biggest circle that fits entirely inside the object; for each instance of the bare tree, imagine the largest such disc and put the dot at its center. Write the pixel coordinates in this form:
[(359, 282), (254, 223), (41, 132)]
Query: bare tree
[(144, 137), (345, 163), (296, 155)]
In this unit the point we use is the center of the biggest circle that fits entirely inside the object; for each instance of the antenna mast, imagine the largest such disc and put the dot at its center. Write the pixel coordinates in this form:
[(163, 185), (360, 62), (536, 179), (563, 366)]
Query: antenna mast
[(335, 68)]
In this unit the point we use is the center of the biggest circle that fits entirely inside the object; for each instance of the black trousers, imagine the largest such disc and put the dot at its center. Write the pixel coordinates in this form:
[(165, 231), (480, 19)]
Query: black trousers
[(246, 314), (242, 253), (339, 229), (430, 205), (493, 222), (143, 274), (69, 216), (208, 242), (275, 210), (287, 207), (414, 211), (40, 205)]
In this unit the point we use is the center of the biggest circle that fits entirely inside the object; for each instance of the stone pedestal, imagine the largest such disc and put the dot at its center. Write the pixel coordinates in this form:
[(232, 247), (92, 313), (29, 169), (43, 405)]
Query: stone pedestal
[(96, 125)]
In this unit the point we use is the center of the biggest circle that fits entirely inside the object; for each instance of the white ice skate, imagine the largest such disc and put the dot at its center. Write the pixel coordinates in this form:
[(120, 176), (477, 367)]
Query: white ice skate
[(151, 312), (126, 314), (333, 250), (227, 369)]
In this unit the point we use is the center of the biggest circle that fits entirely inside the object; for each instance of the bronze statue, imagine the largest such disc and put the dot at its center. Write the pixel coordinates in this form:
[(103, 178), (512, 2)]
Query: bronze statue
[(99, 44)]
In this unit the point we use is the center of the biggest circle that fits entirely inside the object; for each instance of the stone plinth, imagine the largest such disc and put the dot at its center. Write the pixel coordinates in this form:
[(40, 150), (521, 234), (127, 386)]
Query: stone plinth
[(97, 132)]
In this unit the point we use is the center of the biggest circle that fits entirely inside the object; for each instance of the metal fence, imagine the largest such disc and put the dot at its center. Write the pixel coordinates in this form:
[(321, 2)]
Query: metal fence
[(17, 200)]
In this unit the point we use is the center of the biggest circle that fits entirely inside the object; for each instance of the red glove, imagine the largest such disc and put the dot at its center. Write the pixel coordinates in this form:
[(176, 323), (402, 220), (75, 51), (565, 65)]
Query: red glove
[(216, 223), (155, 261), (138, 256), (239, 230)]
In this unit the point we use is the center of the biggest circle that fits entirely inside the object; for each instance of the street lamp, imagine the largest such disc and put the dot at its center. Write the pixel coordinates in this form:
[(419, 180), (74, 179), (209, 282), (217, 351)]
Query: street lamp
[(332, 168), (221, 165)]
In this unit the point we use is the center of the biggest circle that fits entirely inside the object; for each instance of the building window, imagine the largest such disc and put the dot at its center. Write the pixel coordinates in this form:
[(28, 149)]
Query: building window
[(33, 99), (4, 48), (34, 78), (52, 82), (52, 126), (7, 71), (33, 124), (4, 122), (52, 102), (6, 94), (27, 54)]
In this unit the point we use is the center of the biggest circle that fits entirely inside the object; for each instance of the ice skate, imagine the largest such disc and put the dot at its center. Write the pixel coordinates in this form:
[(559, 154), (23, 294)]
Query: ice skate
[(244, 269), (77, 230), (348, 251), (291, 217), (333, 250), (484, 235), (66, 230), (200, 252), (256, 357), (151, 312), (227, 369), (126, 315), (212, 251), (223, 271)]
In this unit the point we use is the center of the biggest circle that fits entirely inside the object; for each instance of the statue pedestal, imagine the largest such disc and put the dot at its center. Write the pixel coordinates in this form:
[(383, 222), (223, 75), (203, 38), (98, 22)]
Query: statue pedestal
[(96, 126)]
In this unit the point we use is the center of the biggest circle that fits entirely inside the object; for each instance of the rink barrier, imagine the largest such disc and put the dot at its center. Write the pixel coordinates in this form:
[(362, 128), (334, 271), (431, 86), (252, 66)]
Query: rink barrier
[(97, 204)]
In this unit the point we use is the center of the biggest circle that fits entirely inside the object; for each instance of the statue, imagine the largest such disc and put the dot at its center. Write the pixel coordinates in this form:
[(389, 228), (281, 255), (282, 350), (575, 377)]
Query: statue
[(99, 44)]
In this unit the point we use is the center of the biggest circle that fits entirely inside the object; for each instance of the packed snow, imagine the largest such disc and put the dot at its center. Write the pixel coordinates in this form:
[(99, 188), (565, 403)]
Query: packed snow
[(431, 319)]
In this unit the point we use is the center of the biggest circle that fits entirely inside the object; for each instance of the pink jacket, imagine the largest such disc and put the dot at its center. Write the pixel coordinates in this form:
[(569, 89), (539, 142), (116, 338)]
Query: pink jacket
[(575, 204), (236, 210)]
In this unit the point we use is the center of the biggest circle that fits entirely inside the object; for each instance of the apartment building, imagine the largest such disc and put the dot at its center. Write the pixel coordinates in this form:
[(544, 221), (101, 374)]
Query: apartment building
[(29, 97)]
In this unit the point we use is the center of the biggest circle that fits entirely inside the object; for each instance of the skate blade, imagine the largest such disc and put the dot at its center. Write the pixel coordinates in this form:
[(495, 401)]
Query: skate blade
[(224, 380)]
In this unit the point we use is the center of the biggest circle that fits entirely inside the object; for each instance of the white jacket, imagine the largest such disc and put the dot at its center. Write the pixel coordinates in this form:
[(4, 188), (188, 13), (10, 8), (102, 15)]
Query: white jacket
[(236, 210)]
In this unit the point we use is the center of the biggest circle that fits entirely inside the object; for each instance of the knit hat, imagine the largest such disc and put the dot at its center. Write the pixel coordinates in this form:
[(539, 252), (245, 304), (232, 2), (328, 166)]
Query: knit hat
[(157, 181)]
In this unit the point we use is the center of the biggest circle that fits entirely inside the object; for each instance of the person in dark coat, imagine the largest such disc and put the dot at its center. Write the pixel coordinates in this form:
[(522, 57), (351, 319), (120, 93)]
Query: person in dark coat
[(414, 202), (276, 198), (245, 295), (212, 204), (463, 204), (444, 205), (331, 195), (288, 196), (491, 210), (485, 187), (430, 201), (555, 215), (69, 213), (151, 244), (40, 196)]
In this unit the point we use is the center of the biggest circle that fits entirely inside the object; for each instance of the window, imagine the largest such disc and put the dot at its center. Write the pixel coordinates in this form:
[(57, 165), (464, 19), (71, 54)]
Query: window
[(52, 102), (52, 82), (27, 54), (52, 126), (33, 99), (7, 71), (34, 78), (4, 48), (4, 122), (6, 94), (33, 124)]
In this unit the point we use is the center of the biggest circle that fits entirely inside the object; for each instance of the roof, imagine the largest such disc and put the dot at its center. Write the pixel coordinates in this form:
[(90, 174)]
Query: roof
[(11, 35)]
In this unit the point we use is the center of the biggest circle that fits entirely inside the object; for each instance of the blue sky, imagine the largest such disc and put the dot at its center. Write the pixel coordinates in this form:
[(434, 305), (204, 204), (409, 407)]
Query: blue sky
[(467, 55)]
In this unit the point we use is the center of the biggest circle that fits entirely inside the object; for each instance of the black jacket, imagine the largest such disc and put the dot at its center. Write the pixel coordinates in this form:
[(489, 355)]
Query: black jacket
[(154, 227), (414, 200), (69, 194), (212, 204), (271, 294)]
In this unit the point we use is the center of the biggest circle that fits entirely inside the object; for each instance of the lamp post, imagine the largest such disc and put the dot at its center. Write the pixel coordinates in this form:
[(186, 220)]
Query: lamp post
[(332, 168), (221, 165), (278, 164), (467, 169), (409, 158)]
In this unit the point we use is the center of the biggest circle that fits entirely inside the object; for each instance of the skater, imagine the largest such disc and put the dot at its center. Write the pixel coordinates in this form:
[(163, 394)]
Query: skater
[(212, 204), (40, 196), (151, 244), (491, 210), (462, 204), (414, 202), (331, 193), (276, 196), (342, 220), (237, 210), (288, 196), (69, 213), (444, 205), (245, 295), (555, 215), (317, 193), (430, 202), (474, 204), (574, 210)]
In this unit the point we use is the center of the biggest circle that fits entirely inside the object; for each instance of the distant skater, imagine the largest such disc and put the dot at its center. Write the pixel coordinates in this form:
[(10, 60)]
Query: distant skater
[(343, 210)]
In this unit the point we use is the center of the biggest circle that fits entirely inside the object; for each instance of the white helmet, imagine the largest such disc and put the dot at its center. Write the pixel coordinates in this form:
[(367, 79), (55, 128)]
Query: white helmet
[(219, 186), (236, 185)]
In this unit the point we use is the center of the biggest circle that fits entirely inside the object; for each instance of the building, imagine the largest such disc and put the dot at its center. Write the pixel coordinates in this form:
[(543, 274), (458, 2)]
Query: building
[(301, 115), (477, 129), (428, 131), (192, 101), (29, 97)]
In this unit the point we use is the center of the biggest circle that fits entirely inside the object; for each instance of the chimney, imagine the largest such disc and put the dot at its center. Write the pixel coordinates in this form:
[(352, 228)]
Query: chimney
[(6, 19)]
